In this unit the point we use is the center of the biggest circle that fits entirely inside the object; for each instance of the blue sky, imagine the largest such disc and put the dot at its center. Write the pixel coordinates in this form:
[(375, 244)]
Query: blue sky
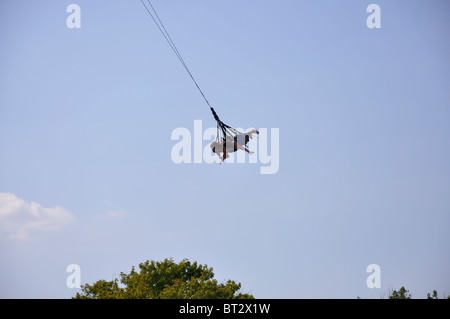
[(86, 117)]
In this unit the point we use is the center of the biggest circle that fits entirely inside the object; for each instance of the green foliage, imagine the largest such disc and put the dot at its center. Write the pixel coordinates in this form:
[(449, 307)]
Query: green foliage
[(433, 296), (402, 293), (164, 280)]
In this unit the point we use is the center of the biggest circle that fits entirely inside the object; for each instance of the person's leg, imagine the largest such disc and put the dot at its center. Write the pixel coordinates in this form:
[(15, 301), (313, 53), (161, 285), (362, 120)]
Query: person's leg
[(225, 156), (245, 149)]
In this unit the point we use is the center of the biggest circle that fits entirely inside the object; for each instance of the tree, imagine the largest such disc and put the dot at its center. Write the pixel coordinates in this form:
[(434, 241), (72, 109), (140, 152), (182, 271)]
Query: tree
[(164, 280), (402, 293), (433, 296)]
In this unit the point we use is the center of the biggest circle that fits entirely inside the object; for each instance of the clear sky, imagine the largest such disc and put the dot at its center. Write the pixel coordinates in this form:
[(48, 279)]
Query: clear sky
[(86, 116)]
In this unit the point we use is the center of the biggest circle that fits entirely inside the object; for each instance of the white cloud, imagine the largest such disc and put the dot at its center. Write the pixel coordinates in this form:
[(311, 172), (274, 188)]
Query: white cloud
[(116, 213), (17, 217), (112, 212)]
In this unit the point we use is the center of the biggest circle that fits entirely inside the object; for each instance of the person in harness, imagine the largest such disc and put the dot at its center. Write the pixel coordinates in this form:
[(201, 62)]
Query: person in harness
[(232, 144)]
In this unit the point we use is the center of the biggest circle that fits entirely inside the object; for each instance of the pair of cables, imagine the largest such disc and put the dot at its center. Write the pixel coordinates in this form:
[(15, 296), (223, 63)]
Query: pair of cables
[(155, 17), (224, 128)]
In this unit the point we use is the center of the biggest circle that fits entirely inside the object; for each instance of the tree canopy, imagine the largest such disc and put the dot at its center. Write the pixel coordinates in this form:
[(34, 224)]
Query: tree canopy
[(164, 280), (402, 293)]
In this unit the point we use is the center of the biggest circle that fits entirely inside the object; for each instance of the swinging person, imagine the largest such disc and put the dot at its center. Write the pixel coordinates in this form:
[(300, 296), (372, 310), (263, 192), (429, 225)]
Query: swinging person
[(230, 145)]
